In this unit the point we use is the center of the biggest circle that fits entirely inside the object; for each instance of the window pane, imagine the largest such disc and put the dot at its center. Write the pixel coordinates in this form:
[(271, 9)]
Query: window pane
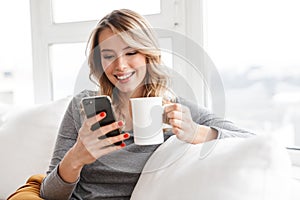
[(16, 84), (66, 61), (85, 10), (255, 45)]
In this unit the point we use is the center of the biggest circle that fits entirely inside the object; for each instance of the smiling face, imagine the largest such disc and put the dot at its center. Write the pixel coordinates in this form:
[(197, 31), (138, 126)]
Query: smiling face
[(123, 65)]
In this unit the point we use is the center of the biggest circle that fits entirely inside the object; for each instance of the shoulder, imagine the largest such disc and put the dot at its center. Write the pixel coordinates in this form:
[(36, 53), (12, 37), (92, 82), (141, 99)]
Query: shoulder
[(78, 97), (189, 103), (197, 110), (74, 107)]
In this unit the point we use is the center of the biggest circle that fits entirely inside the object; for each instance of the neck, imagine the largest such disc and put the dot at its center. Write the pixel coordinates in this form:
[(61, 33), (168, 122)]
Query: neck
[(135, 94)]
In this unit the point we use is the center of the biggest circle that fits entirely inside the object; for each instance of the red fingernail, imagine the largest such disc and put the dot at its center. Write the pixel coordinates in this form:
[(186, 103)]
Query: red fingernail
[(123, 144), (126, 135), (120, 123), (102, 114)]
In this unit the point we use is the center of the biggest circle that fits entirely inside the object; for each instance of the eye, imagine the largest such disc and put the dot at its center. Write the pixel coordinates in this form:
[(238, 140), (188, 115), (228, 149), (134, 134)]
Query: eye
[(108, 57), (131, 53)]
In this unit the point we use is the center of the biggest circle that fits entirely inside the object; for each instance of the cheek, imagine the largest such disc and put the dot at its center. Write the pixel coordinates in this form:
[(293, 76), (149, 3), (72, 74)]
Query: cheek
[(143, 70), (105, 65), (139, 62), (109, 73)]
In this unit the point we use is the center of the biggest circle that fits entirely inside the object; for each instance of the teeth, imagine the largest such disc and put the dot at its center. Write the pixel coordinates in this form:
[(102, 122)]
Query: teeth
[(124, 77)]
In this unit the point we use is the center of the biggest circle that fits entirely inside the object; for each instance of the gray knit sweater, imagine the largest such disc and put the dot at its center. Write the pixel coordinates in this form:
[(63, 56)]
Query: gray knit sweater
[(112, 176)]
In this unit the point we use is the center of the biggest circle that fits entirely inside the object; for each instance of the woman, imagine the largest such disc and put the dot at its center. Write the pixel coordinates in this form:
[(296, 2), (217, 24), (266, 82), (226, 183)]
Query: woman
[(125, 61)]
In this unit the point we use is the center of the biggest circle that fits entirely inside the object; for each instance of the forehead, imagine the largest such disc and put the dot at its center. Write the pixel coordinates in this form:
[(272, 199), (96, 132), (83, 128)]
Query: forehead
[(108, 39)]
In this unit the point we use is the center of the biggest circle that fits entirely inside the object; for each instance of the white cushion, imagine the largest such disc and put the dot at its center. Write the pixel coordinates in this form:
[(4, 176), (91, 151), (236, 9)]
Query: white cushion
[(27, 139), (227, 169), (295, 192)]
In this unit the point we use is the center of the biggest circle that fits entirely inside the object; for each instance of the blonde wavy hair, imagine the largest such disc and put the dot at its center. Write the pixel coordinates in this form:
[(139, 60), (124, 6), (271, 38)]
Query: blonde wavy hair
[(137, 33)]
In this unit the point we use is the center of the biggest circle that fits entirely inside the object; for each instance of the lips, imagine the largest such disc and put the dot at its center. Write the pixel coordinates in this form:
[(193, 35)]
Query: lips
[(124, 76)]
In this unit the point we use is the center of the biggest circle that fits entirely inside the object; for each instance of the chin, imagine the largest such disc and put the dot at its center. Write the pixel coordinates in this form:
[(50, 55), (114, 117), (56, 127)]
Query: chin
[(129, 90), (126, 89), (129, 87)]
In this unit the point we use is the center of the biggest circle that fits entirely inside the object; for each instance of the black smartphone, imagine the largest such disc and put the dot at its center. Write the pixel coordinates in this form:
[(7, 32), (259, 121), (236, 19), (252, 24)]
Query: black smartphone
[(95, 105)]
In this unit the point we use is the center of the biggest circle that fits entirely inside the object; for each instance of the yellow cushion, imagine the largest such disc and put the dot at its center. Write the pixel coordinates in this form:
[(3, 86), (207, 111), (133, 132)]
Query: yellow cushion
[(29, 191)]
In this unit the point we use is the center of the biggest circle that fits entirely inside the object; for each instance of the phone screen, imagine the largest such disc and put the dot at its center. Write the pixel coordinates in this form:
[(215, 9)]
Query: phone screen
[(94, 106)]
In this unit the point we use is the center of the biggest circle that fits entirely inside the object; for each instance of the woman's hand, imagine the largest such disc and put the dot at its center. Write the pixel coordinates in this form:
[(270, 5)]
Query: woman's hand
[(183, 126), (88, 147)]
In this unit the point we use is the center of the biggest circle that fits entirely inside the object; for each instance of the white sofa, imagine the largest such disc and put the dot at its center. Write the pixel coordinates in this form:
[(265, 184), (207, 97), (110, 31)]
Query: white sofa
[(27, 137), (234, 169)]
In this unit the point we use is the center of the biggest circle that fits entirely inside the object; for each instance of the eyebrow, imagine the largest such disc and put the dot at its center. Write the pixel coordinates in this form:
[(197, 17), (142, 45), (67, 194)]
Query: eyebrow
[(128, 47)]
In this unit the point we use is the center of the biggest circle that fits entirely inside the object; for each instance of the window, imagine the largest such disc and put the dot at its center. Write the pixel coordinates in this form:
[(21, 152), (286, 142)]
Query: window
[(60, 33), (255, 46), (66, 61), (16, 86)]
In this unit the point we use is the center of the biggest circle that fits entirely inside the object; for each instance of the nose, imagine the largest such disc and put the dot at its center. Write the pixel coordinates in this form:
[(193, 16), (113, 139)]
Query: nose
[(120, 63)]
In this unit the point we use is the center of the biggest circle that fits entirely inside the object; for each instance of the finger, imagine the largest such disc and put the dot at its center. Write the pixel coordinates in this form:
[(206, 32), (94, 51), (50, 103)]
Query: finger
[(166, 102), (176, 123), (112, 140), (175, 107), (176, 131), (93, 120), (175, 115), (108, 128), (169, 107), (110, 149)]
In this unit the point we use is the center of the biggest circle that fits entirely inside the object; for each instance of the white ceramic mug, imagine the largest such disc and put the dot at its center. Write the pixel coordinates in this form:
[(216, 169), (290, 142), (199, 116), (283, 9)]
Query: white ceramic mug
[(147, 118)]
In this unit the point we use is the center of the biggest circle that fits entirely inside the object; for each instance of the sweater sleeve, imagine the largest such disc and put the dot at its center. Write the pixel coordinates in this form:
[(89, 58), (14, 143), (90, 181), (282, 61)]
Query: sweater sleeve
[(53, 187), (224, 127)]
